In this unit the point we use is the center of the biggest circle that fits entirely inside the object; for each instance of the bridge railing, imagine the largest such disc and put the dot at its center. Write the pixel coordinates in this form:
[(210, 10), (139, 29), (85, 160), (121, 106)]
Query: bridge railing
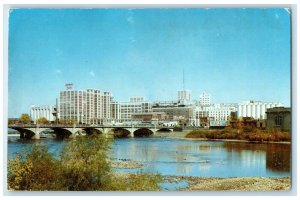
[(85, 126)]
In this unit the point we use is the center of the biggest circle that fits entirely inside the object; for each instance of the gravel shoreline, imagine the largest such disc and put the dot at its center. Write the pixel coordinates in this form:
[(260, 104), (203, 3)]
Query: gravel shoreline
[(233, 184), (213, 183)]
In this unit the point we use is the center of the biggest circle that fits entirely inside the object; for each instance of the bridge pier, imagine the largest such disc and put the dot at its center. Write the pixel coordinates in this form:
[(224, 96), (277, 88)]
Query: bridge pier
[(36, 136)]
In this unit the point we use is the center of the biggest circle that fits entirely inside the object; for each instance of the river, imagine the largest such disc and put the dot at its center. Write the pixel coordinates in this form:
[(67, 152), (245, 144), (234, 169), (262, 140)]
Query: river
[(182, 157)]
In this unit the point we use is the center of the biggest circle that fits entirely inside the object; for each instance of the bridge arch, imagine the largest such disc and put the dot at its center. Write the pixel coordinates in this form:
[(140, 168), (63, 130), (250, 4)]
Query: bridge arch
[(121, 132), (143, 132), (25, 133), (164, 130), (62, 133), (91, 131)]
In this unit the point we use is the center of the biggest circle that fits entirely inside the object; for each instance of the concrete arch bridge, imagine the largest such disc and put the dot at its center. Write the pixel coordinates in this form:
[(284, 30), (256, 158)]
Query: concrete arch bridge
[(32, 131)]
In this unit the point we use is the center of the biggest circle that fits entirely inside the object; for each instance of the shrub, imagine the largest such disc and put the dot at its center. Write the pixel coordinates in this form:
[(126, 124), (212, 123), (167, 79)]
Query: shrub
[(248, 129), (83, 166), (37, 171)]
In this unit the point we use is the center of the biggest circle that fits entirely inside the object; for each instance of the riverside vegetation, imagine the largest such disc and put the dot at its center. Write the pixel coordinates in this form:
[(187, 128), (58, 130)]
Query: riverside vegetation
[(247, 133), (83, 165)]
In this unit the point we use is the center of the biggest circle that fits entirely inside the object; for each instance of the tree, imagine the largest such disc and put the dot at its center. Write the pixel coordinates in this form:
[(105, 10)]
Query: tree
[(25, 119), (11, 121), (42, 120), (87, 168)]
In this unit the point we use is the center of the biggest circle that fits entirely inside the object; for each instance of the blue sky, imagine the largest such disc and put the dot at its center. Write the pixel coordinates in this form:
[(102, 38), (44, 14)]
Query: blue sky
[(233, 54)]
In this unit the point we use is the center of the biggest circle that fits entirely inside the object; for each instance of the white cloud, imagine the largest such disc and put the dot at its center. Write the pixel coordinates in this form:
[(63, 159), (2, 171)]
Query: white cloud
[(92, 73)]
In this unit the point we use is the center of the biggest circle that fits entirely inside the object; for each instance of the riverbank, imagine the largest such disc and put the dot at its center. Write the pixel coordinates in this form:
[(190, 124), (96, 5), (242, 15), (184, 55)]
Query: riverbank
[(253, 135), (210, 183), (222, 184), (233, 184)]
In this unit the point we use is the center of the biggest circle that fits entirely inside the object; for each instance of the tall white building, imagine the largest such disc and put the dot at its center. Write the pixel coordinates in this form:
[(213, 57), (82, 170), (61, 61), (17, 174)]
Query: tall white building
[(115, 111), (37, 112), (106, 103), (90, 106), (73, 106), (93, 106), (204, 99), (255, 109), (184, 96)]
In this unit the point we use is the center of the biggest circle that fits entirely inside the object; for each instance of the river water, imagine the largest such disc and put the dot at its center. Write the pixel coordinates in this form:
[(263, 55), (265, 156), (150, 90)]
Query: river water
[(182, 157)]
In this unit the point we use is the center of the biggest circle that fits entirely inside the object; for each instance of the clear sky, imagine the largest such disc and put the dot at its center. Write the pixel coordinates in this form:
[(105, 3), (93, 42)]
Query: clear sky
[(233, 54)]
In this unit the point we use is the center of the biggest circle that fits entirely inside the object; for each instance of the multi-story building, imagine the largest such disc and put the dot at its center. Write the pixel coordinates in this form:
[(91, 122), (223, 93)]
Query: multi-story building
[(90, 106), (93, 106), (216, 113), (176, 113), (255, 109), (73, 106), (47, 112), (115, 111), (184, 96), (106, 103), (135, 105), (204, 99)]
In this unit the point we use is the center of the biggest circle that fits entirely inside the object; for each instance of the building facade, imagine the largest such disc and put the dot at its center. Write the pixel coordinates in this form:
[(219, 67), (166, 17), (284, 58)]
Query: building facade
[(255, 109), (215, 113), (204, 99), (87, 107), (47, 112), (184, 96), (134, 106), (279, 117), (115, 111), (73, 106)]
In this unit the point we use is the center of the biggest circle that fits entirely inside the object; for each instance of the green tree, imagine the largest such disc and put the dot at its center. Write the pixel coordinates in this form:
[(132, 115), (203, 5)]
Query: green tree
[(42, 120), (87, 168), (24, 119)]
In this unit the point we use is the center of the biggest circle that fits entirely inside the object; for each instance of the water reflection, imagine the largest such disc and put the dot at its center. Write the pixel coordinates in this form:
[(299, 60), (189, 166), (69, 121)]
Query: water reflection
[(193, 158), (275, 157)]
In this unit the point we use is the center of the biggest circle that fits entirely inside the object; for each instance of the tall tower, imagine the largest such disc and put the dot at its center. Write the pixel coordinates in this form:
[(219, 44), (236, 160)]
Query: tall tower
[(183, 96)]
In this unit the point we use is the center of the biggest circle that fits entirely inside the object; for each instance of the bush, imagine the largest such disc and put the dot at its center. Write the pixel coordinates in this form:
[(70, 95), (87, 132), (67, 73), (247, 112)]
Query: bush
[(37, 171), (84, 165), (248, 129)]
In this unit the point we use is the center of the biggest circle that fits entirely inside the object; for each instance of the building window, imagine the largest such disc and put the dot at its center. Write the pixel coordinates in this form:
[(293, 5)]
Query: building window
[(278, 120)]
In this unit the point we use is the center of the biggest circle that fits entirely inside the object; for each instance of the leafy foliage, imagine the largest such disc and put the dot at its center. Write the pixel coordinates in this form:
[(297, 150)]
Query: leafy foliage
[(247, 133), (24, 119), (84, 165), (42, 120)]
